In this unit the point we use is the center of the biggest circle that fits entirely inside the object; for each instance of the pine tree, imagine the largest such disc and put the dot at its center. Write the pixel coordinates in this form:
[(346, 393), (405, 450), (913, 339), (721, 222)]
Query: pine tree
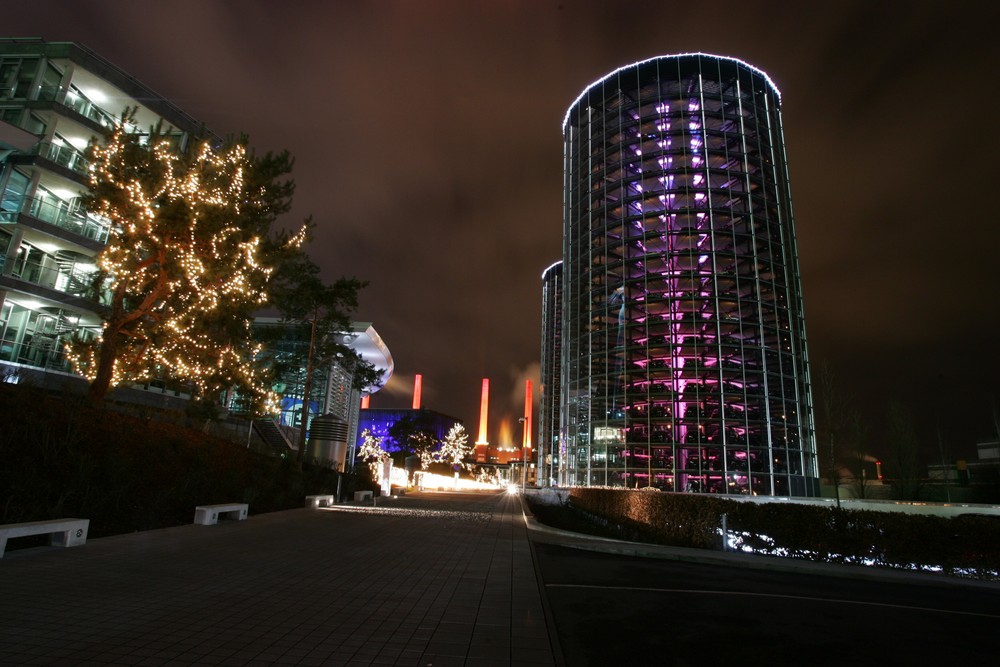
[(320, 313), (188, 260)]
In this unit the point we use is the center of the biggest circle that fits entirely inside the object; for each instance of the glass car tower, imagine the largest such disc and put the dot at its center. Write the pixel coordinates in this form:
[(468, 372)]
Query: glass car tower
[(684, 363)]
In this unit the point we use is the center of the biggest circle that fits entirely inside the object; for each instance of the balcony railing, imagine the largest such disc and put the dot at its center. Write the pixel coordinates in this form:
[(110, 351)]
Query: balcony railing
[(41, 352), (65, 215), (67, 277), (77, 103), (64, 156)]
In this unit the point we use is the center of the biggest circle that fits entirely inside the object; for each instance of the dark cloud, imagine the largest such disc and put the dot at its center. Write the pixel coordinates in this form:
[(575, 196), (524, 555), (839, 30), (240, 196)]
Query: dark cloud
[(428, 147)]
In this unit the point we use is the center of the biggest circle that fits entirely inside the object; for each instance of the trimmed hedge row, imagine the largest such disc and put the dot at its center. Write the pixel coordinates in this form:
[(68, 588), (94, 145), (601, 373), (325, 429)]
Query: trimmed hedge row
[(61, 458), (967, 545)]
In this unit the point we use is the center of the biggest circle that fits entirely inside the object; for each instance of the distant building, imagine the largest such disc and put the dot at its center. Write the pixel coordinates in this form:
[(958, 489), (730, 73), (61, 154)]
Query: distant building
[(332, 391), (381, 420), (976, 481), (988, 450), (551, 364), (683, 345), (55, 98)]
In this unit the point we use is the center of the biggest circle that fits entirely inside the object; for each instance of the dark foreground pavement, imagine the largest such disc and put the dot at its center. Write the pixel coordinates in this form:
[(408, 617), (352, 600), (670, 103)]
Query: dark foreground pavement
[(439, 579), (426, 579)]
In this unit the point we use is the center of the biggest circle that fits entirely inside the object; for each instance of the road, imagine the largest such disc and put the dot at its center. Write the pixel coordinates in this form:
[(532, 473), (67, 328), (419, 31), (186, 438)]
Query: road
[(620, 610)]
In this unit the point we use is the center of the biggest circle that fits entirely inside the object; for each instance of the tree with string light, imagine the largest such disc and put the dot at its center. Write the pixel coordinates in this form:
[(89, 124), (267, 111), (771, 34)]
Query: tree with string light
[(372, 453), (189, 259), (455, 448)]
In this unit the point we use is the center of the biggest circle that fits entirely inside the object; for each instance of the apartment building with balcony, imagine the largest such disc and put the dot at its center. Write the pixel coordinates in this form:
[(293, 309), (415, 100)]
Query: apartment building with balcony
[(55, 98)]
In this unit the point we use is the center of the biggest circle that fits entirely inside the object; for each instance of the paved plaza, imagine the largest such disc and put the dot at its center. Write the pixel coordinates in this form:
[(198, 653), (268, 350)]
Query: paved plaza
[(431, 579), (425, 580)]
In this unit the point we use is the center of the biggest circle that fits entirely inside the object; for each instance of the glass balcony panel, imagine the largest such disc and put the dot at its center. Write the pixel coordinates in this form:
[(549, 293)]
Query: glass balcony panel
[(64, 156), (66, 215)]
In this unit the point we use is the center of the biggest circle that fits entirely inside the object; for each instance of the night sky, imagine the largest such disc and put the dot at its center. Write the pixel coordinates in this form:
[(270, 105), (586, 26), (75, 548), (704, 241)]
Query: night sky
[(428, 148)]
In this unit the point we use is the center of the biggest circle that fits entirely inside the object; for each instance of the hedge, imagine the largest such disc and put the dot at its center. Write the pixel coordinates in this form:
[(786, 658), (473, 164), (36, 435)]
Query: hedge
[(59, 458)]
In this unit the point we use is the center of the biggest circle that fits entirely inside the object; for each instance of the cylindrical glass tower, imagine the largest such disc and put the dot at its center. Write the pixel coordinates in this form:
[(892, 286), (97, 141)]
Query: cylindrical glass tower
[(551, 357), (683, 343)]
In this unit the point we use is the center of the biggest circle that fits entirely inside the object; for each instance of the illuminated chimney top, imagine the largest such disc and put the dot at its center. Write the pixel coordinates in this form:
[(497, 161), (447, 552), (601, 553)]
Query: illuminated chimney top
[(483, 410), (417, 383)]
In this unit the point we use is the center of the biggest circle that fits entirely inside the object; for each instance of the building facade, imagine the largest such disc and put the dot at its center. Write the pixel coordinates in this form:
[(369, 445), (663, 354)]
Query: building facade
[(684, 363), (380, 422), (549, 372), (332, 391), (54, 99)]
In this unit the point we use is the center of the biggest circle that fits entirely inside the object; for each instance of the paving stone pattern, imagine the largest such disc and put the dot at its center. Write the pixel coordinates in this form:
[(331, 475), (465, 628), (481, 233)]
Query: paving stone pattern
[(427, 579)]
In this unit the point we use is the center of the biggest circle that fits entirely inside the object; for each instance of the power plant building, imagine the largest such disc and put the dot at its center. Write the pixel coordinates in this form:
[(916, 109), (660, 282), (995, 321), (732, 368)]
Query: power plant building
[(682, 340)]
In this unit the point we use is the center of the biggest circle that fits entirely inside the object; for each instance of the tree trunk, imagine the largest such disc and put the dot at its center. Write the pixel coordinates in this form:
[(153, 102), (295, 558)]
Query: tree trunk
[(305, 393), (105, 369)]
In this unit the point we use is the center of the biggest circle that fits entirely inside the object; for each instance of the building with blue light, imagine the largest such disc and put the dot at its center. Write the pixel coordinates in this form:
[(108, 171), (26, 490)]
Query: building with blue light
[(380, 422), (683, 347), (332, 391)]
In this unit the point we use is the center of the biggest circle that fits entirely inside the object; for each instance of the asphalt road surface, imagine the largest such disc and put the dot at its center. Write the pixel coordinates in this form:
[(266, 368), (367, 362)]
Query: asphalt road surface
[(622, 610)]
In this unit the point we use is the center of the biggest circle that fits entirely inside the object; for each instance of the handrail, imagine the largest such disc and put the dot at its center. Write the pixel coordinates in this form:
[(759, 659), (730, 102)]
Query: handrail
[(66, 215)]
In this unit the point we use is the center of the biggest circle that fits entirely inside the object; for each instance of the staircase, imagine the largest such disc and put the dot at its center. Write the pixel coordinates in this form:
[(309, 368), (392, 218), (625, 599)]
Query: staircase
[(269, 432)]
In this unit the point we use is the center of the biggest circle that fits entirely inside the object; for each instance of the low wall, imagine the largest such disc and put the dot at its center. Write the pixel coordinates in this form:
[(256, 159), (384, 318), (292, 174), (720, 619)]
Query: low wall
[(560, 496)]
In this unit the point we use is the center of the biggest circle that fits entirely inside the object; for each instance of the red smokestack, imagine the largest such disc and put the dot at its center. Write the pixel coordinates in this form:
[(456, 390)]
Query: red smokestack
[(417, 382), (526, 443), (483, 410)]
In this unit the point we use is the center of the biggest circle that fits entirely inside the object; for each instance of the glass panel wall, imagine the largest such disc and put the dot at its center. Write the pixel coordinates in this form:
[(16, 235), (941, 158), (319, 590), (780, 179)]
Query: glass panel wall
[(685, 365), (36, 336)]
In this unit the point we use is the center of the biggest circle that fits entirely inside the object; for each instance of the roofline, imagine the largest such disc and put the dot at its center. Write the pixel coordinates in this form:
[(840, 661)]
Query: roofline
[(675, 55), (97, 64), (550, 267)]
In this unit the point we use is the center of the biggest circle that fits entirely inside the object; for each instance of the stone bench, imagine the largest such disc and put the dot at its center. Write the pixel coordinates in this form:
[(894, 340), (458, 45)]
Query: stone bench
[(362, 496), (315, 502), (208, 515), (61, 532)]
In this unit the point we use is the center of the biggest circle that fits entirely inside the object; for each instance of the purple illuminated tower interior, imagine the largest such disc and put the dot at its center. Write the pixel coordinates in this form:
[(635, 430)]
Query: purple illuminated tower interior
[(683, 349)]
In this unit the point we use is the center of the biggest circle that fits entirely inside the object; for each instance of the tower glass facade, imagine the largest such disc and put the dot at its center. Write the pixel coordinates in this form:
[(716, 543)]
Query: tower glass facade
[(551, 356), (684, 363)]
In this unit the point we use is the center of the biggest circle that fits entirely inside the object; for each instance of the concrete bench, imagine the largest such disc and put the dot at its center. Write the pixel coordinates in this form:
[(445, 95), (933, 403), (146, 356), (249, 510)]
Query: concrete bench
[(362, 496), (61, 532), (208, 515), (315, 502)]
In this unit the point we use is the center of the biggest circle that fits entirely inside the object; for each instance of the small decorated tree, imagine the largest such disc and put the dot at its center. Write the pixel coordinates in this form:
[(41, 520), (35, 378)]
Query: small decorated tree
[(455, 447), (372, 453)]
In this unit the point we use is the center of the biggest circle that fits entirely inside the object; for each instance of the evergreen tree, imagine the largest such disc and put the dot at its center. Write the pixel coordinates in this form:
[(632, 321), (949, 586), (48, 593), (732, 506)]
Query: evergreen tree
[(414, 434), (319, 313), (188, 261)]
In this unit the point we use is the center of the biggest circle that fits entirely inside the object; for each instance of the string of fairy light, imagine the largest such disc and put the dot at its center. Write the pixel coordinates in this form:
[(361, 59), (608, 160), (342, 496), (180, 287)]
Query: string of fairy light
[(184, 275)]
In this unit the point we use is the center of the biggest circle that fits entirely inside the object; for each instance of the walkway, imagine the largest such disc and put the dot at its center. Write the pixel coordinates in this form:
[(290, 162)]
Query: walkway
[(423, 580)]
